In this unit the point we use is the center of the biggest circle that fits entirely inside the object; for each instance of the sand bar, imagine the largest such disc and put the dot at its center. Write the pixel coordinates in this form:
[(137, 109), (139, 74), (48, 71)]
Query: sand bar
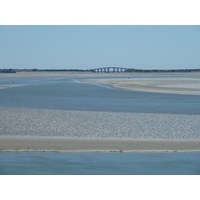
[(63, 74), (63, 144), (58, 130), (178, 85)]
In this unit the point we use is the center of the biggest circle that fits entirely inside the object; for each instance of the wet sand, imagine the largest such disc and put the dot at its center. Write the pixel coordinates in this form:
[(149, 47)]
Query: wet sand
[(60, 74), (63, 144), (57, 130), (179, 85)]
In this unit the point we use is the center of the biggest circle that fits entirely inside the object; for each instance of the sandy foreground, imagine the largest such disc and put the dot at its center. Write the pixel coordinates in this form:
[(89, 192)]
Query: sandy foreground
[(79, 131)]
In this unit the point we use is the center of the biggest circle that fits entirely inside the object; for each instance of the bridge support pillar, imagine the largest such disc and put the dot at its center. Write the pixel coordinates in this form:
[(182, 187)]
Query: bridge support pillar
[(109, 69)]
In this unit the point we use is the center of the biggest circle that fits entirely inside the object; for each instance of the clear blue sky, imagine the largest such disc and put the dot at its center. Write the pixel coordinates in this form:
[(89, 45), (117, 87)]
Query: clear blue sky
[(85, 47)]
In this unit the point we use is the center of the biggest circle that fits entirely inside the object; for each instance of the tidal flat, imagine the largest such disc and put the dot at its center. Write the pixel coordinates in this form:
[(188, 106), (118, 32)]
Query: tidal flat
[(114, 120)]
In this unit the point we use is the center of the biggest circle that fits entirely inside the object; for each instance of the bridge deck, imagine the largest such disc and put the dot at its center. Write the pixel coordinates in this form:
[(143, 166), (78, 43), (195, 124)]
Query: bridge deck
[(109, 69)]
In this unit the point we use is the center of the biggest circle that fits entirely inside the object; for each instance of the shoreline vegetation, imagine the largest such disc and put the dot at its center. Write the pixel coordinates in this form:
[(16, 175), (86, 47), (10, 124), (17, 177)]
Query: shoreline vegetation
[(31, 143), (127, 70)]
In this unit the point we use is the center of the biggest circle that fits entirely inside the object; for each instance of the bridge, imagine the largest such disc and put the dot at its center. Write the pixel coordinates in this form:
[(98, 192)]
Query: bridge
[(109, 69)]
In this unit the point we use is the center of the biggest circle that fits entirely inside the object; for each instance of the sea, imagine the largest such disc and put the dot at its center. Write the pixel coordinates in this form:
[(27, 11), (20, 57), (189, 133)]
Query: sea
[(99, 163), (68, 93)]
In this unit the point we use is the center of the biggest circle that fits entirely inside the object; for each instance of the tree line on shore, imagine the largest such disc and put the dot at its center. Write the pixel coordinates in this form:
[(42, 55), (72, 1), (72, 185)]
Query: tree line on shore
[(162, 70), (88, 70)]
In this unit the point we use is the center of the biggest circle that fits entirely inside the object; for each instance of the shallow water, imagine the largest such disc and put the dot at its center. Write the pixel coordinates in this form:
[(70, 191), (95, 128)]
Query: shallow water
[(68, 94), (100, 164)]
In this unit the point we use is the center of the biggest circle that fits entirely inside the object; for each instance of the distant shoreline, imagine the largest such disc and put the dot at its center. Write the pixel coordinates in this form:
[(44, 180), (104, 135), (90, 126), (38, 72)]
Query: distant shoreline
[(101, 69)]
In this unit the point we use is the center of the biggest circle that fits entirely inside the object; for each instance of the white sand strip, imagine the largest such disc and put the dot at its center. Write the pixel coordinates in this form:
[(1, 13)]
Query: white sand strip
[(62, 74), (63, 144), (176, 85), (40, 74)]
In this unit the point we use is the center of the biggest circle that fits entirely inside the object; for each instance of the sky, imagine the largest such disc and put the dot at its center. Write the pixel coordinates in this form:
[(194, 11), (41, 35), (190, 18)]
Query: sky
[(88, 47)]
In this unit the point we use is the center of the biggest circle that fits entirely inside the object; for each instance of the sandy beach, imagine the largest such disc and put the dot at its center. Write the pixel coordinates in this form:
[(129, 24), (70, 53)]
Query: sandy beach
[(74, 131), (190, 86), (63, 144)]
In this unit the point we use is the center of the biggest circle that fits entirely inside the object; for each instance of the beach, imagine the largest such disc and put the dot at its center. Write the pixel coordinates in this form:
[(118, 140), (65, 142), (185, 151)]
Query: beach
[(44, 130), (89, 145), (159, 85)]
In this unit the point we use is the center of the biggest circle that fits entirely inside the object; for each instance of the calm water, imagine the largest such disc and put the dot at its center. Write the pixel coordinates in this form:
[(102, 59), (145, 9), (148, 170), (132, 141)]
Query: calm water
[(69, 94), (100, 164)]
